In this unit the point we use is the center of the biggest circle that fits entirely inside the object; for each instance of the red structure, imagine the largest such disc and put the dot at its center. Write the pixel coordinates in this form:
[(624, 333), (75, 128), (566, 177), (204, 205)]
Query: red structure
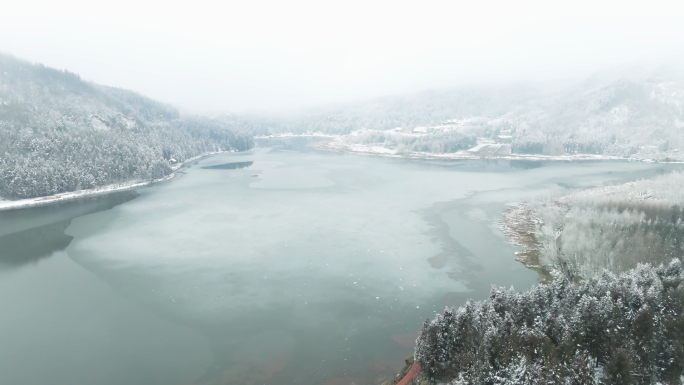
[(409, 376)]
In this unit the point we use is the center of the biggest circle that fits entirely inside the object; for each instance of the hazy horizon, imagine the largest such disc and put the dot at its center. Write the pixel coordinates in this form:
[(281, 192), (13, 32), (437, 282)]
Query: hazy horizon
[(269, 56)]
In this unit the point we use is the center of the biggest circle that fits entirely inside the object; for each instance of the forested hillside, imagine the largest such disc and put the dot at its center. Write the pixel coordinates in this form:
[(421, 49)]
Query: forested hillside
[(59, 133), (612, 329)]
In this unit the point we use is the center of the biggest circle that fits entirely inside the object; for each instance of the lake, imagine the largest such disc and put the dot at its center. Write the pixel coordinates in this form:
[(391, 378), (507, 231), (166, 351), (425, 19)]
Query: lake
[(281, 265)]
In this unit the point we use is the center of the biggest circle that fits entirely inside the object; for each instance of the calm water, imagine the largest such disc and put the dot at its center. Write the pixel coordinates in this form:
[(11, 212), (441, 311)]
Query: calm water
[(282, 265)]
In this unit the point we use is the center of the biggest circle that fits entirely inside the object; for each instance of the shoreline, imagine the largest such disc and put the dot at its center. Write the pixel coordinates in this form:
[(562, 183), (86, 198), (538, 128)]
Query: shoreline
[(6, 205), (291, 135), (376, 150), (518, 224)]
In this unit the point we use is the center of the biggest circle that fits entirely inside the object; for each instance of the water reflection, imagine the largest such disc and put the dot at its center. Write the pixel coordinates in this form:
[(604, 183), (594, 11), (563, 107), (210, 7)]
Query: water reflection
[(31, 245), (30, 234), (481, 165), (298, 144), (526, 164), (229, 166)]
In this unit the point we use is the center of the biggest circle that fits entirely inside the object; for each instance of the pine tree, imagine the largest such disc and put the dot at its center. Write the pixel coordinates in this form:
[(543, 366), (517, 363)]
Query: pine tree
[(619, 369)]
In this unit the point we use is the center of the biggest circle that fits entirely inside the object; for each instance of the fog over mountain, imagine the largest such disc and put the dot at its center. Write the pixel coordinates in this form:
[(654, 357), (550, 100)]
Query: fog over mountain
[(628, 112)]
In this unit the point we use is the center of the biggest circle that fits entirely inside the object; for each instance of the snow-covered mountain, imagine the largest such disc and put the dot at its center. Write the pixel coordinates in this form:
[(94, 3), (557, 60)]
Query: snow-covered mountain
[(625, 113), (631, 115), (59, 133)]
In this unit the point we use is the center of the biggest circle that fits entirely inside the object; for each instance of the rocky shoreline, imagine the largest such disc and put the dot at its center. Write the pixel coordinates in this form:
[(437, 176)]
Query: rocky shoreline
[(519, 225)]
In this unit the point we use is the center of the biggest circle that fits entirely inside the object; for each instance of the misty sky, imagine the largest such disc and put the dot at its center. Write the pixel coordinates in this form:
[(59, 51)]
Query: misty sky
[(210, 56)]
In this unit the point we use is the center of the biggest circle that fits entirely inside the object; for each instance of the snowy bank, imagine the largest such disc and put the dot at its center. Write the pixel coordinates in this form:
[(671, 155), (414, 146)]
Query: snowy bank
[(101, 190), (338, 145)]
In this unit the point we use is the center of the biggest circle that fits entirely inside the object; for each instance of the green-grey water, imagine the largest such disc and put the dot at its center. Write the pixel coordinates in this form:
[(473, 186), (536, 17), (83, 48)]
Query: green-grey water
[(281, 265)]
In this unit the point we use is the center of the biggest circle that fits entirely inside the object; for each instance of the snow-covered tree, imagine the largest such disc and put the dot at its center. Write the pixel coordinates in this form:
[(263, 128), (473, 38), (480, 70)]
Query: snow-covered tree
[(610, 329)]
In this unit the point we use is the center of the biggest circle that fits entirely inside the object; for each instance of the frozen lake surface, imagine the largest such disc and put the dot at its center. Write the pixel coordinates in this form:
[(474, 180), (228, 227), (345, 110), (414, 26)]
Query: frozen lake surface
[(281, 265)]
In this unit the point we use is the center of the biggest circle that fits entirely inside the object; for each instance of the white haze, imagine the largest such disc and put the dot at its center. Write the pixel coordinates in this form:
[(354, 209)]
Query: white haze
[(276, 55)]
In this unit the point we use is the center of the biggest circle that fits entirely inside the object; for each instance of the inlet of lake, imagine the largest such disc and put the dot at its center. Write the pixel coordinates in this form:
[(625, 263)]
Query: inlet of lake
[(281, 265)]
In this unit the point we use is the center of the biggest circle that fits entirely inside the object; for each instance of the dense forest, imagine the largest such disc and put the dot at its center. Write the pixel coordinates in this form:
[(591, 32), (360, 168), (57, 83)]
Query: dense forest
[(611, 329), (59, 133)]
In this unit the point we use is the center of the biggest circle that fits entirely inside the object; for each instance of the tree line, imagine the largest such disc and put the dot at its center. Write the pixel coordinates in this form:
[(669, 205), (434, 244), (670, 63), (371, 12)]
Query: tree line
[(434, 142)]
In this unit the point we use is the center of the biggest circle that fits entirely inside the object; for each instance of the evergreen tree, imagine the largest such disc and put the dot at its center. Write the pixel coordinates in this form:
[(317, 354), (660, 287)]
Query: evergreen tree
[(619, 369), (613, 329)]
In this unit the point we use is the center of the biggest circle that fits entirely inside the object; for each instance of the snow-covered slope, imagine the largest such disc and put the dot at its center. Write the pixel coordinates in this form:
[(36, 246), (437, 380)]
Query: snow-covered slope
[(59, 133)]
